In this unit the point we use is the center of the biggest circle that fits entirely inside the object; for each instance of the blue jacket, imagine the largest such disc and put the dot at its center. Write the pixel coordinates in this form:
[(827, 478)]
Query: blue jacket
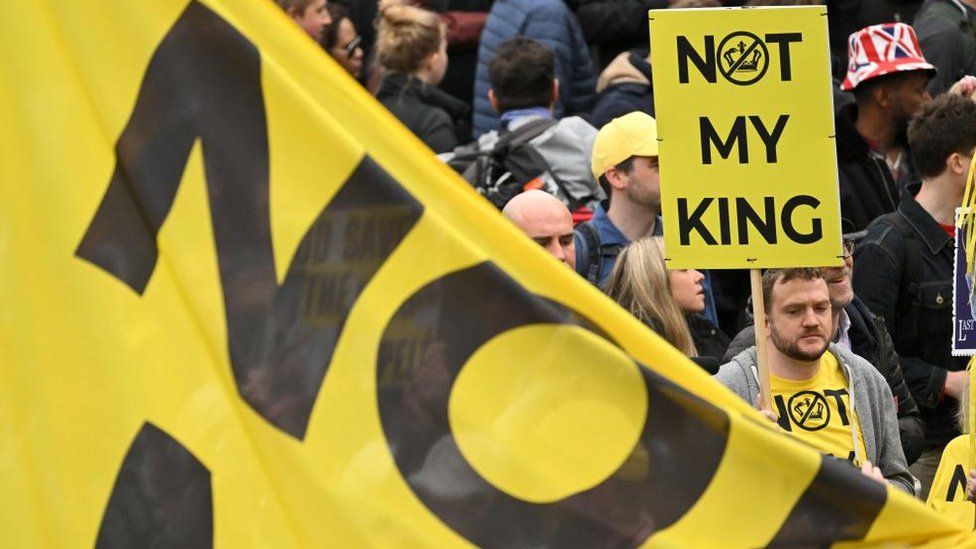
[(551, 23)]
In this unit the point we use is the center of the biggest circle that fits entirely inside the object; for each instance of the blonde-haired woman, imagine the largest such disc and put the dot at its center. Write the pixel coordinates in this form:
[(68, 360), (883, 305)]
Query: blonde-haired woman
[(667, 301), (411, 47)]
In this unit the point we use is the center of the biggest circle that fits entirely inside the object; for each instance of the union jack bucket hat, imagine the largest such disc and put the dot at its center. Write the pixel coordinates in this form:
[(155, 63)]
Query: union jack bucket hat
[(883, 49)]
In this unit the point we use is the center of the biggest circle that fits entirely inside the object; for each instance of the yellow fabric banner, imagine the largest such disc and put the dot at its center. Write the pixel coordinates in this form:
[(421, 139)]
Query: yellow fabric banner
[(748, 162), (242, 306), (948, 493)]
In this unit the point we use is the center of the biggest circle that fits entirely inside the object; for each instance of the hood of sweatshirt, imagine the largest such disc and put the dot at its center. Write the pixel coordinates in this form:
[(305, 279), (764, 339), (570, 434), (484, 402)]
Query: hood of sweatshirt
[(628, 67)]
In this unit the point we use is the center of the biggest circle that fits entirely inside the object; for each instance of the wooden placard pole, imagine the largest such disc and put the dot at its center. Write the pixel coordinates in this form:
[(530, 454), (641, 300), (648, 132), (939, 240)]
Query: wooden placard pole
[(759, 316)]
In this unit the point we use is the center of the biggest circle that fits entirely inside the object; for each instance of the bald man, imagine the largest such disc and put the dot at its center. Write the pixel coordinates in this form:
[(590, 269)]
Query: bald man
[(546, 220)]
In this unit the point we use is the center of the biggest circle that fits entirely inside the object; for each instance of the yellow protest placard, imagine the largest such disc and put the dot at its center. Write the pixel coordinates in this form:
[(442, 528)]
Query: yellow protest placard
[(748, 166)]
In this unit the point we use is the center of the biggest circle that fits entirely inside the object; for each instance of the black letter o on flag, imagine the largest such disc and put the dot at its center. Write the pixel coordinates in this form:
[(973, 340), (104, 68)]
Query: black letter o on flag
[(683, 436)]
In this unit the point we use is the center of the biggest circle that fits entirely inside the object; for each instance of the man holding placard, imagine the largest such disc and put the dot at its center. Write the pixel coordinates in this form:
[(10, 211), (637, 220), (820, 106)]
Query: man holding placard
[(745, 120), (813, 381), (857, 329)]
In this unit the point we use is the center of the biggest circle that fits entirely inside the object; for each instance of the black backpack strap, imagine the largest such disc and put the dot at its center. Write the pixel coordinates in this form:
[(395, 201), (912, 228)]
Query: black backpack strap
[(608, 251), (524, 133), (506, 139), (478, 166), (596, 252), (593, 257)]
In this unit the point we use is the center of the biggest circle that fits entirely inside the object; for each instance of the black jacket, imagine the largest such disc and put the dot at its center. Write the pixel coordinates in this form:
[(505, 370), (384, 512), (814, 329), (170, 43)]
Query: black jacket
[(709, 340), (903, 270), (871, 341), (867, 188), (945, 34), (431, 114)]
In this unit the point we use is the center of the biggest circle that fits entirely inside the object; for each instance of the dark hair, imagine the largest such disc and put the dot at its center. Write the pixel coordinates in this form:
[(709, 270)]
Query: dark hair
[(626, 166), (296, 5), (944, 126), (331, 34), (865, 90), (521, 74), (780, 276)]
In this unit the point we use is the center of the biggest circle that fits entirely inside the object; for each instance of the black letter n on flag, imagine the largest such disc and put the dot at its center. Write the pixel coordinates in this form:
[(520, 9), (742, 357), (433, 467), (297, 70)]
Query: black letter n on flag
[(204, 82)]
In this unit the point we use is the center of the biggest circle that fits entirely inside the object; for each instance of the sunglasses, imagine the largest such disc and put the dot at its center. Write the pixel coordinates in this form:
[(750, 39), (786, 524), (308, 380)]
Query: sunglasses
[(352, 45)]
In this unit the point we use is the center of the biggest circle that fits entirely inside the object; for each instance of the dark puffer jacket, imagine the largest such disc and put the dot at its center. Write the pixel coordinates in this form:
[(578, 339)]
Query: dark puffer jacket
[(551, 23), (624, 87), (431, 114), (871, 341), (867, 188)]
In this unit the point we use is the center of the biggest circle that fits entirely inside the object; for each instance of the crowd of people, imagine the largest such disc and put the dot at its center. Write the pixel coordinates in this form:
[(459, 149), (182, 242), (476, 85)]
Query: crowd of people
[(547, 106)]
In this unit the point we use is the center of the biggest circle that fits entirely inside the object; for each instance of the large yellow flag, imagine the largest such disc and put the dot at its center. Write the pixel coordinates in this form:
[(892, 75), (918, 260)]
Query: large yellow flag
[(242, 306)]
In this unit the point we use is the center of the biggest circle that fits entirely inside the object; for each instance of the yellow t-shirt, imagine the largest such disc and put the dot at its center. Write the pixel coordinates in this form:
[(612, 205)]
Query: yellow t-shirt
[(818, 410), (948, 493)]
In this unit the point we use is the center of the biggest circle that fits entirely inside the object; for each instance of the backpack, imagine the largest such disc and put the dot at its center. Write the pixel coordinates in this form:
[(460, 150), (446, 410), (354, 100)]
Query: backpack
[(511, 166), (596, 253)]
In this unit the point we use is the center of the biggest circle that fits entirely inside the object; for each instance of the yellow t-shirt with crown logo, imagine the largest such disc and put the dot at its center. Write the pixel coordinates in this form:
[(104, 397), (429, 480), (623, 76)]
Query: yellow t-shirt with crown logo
[(818, 410)]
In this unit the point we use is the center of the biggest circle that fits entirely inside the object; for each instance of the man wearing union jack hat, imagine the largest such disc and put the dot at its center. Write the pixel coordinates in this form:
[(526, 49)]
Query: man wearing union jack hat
[(888, 76)]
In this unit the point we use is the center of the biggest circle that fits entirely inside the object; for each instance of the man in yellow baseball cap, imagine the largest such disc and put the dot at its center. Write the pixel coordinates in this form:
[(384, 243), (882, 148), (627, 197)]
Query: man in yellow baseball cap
[(624, 161)]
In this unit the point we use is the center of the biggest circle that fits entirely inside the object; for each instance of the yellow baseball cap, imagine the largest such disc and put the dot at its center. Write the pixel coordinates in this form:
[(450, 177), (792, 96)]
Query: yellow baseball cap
[(633, 134)]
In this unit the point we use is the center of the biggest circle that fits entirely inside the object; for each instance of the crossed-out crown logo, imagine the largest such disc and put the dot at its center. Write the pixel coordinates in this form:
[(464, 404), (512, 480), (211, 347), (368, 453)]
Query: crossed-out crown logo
[(742, 58)]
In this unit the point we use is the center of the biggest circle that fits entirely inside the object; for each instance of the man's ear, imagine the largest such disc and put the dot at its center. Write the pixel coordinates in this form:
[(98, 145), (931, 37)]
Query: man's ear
[(882, 96), (958, 164), (555, 92), (492, 99), (296, 13), (616, 178)]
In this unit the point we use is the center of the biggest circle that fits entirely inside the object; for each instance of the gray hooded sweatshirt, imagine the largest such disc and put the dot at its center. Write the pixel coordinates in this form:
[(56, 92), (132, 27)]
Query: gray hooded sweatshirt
[(870, 397)]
